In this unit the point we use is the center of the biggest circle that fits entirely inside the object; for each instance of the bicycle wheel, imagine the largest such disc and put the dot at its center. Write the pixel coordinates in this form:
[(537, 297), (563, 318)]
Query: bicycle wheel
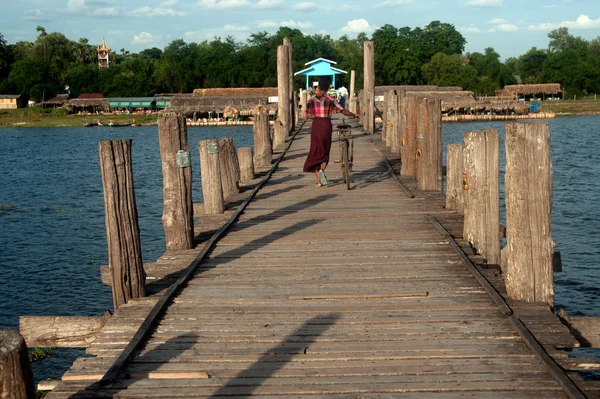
[(346, 161)]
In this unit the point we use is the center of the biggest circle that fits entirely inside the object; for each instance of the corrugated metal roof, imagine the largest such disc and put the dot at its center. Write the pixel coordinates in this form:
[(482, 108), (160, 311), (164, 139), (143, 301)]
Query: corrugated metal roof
[(130, 99), (90, 95)]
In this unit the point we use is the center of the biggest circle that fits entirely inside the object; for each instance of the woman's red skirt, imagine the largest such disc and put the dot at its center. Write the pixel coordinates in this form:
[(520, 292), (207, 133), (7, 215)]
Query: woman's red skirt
[(320, 144)]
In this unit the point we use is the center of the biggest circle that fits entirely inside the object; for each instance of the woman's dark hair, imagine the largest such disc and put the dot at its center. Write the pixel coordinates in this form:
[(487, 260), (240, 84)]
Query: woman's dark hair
[(324, 84)]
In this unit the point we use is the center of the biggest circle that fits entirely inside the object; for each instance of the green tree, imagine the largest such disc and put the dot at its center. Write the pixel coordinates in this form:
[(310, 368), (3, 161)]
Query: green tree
[(529, 65), (34, 78)]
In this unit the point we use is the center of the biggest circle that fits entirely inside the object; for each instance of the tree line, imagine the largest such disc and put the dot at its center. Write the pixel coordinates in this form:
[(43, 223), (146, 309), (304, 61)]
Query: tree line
[(431, 55)]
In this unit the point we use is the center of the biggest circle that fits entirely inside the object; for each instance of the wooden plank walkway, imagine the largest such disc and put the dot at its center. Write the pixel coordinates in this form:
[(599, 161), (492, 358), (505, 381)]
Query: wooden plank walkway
[(325, 293)]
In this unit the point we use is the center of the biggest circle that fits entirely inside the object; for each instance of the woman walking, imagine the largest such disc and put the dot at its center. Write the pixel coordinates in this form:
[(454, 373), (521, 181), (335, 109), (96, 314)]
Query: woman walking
[(320, 108)]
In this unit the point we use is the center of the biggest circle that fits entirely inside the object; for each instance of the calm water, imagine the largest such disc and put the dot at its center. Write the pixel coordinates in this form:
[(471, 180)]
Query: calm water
[(52, 233)]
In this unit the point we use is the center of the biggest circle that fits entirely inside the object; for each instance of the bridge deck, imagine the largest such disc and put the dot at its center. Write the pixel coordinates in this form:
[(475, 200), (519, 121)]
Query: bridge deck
[(324, 292)]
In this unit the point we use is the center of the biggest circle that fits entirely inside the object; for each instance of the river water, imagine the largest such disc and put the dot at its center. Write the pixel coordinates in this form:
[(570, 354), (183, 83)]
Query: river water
[(52, 233)]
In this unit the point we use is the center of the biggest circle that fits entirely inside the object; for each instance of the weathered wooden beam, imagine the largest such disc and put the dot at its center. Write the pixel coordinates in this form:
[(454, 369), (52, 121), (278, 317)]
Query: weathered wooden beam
[(482, 192), (178, 209), (369, 86), (283, 105), (429, 144), (229, 167), (585, 329), (528, 211), (210, 171), (352, 97), (290, 87), (246, 164), (454, 178), (263, 148), (408, 139), (393, 122), (122, 229), (61, 331), (16, 378)]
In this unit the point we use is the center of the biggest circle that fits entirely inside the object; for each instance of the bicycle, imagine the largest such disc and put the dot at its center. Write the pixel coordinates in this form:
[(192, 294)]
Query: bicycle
[(346, 150)]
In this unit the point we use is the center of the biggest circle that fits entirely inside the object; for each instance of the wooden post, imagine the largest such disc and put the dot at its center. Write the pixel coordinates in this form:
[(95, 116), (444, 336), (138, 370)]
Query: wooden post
[(16, 378), (290, 90), (408, 140), (482, 201), (393, 120), (246, 164), (283, 105), (352, 96), (279, 135), (528, 183), (178, 209), (230, 168), (263, 148), (122, 229), (429, 145), (296, 107), (386, 117), (61, 331), (454, 178), (369, 87), (210, 171)]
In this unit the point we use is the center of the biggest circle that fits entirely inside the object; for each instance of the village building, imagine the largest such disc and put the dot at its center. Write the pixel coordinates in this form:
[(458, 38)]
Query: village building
[(88, 103), (12, 101), (532, 92), (103, 55), (320, 68)]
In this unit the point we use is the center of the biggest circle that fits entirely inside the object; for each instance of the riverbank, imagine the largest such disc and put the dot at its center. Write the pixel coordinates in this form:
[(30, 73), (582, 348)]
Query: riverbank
[(39, 117), (587, 106)]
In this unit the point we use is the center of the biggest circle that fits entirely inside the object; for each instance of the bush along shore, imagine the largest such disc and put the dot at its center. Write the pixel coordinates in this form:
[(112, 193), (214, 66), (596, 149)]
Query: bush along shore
[(49, 117)]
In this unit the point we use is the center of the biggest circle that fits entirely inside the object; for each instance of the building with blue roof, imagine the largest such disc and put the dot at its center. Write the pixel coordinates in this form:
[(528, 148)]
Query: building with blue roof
[(319, 68)]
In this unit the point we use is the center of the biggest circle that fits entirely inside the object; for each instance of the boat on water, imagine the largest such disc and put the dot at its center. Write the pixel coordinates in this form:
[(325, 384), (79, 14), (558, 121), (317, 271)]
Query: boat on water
[(110, 123)]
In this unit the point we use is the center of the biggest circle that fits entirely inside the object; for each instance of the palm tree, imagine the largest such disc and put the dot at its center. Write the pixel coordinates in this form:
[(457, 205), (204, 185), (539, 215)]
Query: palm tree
[(43, 34)]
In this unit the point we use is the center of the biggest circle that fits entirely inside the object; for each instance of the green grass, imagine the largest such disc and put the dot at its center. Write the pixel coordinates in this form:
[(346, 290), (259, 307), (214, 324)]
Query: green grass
[(38, 354), (50, 117)]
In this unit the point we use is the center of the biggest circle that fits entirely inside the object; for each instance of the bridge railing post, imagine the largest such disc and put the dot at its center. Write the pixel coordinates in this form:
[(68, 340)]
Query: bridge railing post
[(482, 193), (178, 209), (369, 86), (408, 138), (385, 138), (210, 171), (394, 122), (528, 183), (429, 144), (16, 378), (263, 148), (454, 178), (122, 229), (246, 164), (229, 166)]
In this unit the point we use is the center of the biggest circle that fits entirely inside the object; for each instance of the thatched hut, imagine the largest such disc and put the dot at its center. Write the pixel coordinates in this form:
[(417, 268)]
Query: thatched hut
[(231, 113), (203, 103), (237, 92), (56, 102), (88, 103), (546, 91)]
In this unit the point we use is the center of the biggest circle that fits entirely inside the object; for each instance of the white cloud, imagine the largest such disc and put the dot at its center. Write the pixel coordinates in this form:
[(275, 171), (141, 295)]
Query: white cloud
[(582, 22), (348, 7), (143, 38), (357, 26), (506, 28), (305, 6), (108, 12), (483, 3), (234, 28), (296, 24), (33, 15), (469, 29), (264, 4), (169, 4), (268, 24), (157, 12), (497, 21), (76, 7), (393, 3), (223, 4)]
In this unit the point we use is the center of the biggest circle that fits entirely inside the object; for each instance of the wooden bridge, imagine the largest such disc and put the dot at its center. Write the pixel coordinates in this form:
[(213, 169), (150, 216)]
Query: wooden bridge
[(331, 293)]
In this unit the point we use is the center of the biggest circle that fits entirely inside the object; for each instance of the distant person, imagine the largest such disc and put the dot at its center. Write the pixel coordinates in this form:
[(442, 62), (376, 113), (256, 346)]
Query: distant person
[(343, 95), (319, 108)]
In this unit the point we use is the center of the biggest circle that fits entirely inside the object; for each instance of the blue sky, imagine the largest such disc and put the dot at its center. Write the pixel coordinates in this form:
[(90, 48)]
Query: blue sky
[(511, 27)]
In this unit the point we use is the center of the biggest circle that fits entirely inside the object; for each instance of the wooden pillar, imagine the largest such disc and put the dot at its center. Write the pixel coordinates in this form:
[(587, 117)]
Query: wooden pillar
[(16, 378), (263, 148), (454, 178), (178, 209), (210, 172), (429, 144), (393, 120), (482, 201), (528, 183), (283, 105), (246, 164), (296, 106), (230, 168), (122, 229), (352, 97), (291, 119), (369, 87), (408, 140), (386, 117)]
